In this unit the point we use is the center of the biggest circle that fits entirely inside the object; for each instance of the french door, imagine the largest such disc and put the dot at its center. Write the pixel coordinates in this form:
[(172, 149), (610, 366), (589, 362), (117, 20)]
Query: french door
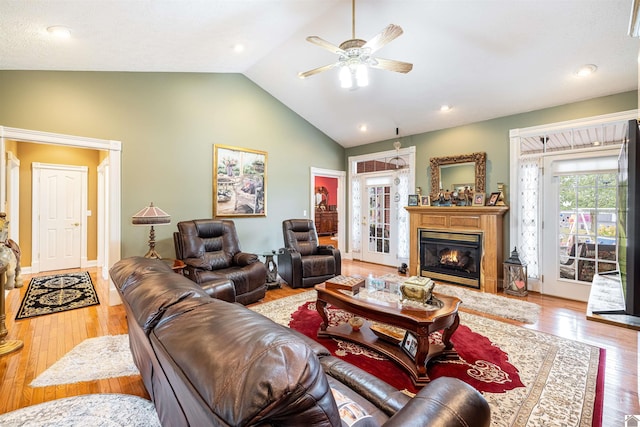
[(579, 233), (378, 226)]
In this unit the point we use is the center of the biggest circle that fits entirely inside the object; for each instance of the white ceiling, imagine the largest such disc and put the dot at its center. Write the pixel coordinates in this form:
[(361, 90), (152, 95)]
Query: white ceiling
[(487, 58)]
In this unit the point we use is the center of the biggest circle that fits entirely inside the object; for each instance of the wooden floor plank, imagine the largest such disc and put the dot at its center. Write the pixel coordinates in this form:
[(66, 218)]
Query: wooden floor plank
[(47, 338)]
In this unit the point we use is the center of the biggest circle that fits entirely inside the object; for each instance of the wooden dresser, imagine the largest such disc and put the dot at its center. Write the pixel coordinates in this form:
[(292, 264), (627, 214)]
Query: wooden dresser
[(326, 222)]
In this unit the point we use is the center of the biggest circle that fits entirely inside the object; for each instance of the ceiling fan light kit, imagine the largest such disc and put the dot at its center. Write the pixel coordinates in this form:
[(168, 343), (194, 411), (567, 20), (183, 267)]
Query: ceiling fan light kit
[(355, 56)]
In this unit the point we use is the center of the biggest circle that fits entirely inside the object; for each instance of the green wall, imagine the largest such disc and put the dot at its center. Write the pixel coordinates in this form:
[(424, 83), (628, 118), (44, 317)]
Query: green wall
[(492, 137), (168, 124)]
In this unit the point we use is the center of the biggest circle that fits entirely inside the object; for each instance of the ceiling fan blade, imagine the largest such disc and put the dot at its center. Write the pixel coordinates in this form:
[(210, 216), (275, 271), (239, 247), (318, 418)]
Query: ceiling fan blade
[(391, 65), (387, 35), (316, 71), (324, 44)]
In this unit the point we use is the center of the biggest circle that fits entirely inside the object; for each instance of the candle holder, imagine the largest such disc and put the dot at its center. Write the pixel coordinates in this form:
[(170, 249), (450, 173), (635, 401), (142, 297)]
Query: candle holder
[(515, 275)]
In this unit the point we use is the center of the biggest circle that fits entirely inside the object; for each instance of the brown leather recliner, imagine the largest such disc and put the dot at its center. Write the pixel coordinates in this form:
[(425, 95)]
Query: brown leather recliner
[(211, 251), (303, 262)]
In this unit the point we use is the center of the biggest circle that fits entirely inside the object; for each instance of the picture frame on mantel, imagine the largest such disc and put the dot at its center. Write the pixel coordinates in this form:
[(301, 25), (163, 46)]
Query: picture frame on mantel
[(239, 182), (413, 200), (478, 199), (493, 199)]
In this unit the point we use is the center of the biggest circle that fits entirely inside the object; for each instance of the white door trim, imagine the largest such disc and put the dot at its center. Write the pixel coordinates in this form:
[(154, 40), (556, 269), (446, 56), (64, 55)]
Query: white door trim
[(341, 205), (37, 169), (13, 196), (114, 149), (355, 221)]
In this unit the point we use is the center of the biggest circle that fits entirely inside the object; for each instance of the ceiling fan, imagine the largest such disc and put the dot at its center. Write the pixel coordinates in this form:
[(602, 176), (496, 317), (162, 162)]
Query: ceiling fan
[(355, 55)]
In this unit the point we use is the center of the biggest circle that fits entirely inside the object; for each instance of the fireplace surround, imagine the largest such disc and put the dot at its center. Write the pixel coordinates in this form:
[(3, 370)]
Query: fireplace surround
[(451, 256), (484, 220)]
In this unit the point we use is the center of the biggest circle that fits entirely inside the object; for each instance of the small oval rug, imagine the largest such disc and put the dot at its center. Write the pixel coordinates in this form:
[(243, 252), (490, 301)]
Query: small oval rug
[(96, 410)]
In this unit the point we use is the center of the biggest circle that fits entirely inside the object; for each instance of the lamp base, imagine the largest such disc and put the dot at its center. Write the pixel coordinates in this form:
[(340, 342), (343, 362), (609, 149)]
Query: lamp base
[(151, 253), (10, 346)]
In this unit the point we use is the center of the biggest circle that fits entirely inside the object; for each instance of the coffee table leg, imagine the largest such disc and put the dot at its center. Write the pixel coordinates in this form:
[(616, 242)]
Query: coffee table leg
[(422, 353), (447, 333), (320, 308)]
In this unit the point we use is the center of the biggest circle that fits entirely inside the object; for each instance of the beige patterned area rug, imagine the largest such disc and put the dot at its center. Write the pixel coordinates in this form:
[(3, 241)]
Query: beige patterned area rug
[(509, 308), (560, 375)]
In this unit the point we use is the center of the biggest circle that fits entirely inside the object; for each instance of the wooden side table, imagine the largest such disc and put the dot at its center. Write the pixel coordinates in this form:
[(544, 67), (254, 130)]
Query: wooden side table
[(175, 264), (272, 270)]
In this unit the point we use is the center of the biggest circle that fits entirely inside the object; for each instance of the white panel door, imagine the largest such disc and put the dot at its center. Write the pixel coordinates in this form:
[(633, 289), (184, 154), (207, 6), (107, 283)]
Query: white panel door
[(60, 218)]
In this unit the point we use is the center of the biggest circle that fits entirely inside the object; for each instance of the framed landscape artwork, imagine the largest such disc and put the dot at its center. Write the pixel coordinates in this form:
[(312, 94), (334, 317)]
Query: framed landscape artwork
[(239, 182)]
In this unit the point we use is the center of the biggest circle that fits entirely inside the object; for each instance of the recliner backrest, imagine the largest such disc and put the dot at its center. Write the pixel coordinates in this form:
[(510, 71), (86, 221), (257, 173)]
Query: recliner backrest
[(300, 234), (214, 242)]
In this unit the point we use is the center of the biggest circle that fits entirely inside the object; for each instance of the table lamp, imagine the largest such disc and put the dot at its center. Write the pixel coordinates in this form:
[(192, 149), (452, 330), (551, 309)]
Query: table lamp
[(151, 215)]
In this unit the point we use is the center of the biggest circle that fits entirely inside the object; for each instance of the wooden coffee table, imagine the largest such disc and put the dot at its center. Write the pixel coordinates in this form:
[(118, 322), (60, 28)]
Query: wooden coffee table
[(420, 322)]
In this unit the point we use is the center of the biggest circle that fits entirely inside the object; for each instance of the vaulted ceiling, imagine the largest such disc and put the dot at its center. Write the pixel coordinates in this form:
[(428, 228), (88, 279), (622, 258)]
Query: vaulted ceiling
[(485, 58)]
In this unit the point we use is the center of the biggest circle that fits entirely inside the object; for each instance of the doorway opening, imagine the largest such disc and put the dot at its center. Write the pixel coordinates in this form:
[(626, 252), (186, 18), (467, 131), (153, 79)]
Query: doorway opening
[(109, 236), (327, 206), (379, 187)]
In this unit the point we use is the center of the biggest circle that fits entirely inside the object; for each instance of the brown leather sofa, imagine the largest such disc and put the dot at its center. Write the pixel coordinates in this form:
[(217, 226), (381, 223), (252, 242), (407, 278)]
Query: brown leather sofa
[(302, 262), (207, 362), (211, 251)]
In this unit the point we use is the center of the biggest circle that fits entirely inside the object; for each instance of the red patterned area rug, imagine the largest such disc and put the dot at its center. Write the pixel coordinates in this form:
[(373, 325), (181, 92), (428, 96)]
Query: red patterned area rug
[(528, 377), (481, 364)]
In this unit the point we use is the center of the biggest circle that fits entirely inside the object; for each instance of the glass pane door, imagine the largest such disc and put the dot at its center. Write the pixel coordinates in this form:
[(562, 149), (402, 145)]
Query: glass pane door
[(378, 246), (587, 227)]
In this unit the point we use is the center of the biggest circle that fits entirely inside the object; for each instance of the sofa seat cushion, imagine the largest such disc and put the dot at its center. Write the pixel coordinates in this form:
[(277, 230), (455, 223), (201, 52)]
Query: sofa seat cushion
[(268, 375), (318, 265)]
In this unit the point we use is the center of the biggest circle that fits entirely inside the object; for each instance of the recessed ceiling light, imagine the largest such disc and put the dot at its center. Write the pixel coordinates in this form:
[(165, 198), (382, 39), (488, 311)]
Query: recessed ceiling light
[(59, 31), (238, 48), (363, 128), (445, 108), (586, 70)]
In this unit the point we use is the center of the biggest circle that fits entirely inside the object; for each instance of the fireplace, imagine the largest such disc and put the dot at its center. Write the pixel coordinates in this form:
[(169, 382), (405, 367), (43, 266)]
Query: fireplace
[(451, 256)]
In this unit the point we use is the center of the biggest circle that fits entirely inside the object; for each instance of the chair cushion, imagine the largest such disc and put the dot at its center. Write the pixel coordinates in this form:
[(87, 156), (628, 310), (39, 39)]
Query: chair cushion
[(318, 265)]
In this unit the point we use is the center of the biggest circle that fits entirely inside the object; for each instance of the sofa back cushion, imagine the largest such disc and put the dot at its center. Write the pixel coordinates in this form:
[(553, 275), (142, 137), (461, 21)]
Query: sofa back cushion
[(150, 289), (247, 369)]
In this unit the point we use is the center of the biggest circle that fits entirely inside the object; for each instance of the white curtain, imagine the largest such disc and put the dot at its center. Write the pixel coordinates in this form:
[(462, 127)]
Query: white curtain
[(356, 203), (529, 238), (402, 191)]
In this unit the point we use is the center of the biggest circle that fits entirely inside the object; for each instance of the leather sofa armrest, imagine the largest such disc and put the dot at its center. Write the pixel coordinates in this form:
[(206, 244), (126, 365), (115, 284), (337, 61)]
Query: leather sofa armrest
[(384, 396), (221, 289), (444, 402), (243, 258)]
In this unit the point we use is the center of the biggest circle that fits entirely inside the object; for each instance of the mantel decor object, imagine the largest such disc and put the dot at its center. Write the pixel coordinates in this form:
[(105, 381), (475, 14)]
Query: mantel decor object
[(151, 215), (515, 275)]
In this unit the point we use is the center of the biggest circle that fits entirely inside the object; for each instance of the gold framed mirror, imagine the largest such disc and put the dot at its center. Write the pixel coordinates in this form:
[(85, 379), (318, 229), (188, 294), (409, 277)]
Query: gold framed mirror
[(477, 163)]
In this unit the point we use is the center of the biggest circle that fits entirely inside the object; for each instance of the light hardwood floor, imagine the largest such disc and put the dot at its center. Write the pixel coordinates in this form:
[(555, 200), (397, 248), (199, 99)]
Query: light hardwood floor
[(47, 338)]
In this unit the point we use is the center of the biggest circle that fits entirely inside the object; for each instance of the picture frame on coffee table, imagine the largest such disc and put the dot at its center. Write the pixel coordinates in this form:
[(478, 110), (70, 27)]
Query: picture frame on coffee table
[(410, 345)]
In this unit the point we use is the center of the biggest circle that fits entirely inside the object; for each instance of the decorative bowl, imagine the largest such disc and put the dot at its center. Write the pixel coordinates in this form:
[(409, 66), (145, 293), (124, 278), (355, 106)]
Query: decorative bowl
[(356, 323)]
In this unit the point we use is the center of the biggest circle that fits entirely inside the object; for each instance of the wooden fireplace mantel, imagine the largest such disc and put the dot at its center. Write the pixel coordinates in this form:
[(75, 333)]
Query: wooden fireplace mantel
[(486, 219)]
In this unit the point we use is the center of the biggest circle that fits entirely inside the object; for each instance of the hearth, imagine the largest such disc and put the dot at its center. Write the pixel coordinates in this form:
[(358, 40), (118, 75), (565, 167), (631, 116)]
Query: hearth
[(451, 256)]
